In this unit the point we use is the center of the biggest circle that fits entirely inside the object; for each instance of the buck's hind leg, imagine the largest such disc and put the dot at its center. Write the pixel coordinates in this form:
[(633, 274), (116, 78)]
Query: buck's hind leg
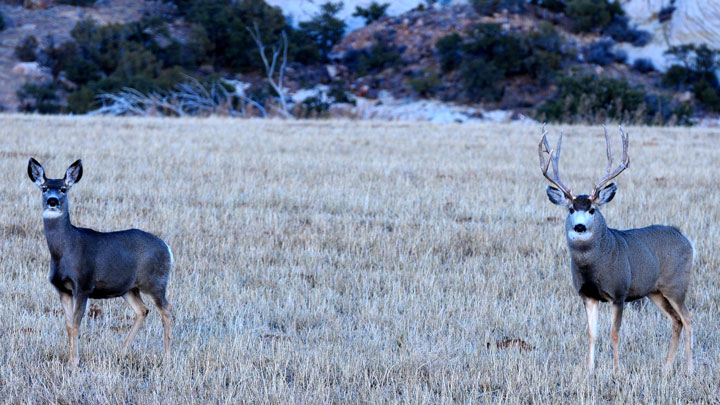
[(685, 317), (666, 308), (133, 298)]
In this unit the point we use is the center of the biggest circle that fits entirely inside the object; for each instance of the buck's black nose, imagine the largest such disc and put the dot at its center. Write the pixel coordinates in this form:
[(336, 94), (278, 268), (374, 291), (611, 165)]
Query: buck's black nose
[(580, 228), (52, 202)]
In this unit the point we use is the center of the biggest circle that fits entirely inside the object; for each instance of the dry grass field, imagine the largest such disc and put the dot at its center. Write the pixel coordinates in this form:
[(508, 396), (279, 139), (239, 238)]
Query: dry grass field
[(350, 262)]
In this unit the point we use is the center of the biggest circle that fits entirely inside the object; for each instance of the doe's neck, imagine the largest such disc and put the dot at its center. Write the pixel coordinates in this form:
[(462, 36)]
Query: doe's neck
[(58, 230)]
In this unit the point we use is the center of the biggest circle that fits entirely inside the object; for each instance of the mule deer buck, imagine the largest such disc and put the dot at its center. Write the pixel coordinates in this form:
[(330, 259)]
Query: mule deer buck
[(616, 266), (89, 264)]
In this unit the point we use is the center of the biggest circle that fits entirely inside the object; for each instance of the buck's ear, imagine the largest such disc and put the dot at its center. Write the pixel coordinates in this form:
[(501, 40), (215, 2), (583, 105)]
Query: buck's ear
[(36, 172), (73, 173), (556, 196), (606, 194)]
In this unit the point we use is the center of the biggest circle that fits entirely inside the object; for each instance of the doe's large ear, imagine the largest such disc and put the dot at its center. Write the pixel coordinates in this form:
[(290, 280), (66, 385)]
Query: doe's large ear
[(556, 196), (73, 173), (36, 172), (606, 194)]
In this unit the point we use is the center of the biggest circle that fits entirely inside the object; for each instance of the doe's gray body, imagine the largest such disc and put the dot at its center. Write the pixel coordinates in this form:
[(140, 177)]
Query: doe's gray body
[(106, 264), (616, 266), (85, 263)]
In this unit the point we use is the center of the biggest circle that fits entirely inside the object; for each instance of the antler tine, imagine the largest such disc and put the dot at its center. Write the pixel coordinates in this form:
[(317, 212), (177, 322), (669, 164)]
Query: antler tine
[(609, 152), (626, 142), (624, 164), (556, 158), (543, 148), (553, 157)]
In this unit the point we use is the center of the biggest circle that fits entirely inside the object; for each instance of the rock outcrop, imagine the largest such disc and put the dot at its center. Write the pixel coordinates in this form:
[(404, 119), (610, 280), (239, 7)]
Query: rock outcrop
[(685, 21)]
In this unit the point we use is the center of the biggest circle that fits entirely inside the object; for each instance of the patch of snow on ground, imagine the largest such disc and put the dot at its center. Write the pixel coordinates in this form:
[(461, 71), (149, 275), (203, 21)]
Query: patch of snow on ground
[(388, 108)]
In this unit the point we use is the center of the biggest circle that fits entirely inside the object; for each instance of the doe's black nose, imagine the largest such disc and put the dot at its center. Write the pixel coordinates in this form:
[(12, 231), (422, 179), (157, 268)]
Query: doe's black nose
[(52, 202), (580, 228)]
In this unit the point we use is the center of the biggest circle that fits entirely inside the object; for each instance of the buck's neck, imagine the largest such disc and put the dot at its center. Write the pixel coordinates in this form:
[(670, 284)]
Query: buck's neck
[(58, 230)]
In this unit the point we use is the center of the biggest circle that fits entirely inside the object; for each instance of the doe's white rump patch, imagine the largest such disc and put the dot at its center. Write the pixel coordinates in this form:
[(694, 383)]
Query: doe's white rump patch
[(172, 258)]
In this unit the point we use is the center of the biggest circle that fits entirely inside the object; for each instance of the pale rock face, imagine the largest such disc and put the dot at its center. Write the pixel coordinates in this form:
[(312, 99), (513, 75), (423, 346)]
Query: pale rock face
[(693, 21)]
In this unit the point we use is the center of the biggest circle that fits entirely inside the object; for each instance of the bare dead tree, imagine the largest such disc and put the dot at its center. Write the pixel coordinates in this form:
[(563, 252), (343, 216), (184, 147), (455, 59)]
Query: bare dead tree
[(243, 98), (275, 80), (129, 101), (188, 98)]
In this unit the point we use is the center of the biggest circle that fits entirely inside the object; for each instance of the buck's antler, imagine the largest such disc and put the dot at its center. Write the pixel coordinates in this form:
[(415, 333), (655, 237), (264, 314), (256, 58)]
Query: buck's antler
[(554, 157), (624, 163)]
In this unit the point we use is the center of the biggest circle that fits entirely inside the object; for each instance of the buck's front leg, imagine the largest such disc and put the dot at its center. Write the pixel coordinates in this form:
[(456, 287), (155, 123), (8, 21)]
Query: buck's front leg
[(591, 307), (618, 307), (80, 304)]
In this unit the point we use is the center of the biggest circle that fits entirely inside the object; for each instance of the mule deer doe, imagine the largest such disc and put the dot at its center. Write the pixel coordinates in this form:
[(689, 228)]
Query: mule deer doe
[(89, 264), (616, 266)]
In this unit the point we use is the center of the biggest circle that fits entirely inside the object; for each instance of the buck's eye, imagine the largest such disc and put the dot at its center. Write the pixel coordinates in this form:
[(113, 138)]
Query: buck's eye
[(63, 189), (572, 211), (592, 211), (44, 188)]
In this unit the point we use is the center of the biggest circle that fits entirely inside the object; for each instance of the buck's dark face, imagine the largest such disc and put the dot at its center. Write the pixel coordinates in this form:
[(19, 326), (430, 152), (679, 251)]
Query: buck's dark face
[(54, 191), (584, 215)]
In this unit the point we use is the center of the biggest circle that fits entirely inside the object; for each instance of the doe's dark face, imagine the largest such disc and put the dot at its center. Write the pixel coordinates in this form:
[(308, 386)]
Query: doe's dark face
[(54, 191)]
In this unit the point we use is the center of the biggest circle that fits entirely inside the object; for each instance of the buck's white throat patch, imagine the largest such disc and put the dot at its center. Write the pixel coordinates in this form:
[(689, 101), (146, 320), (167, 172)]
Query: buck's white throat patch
[(48, 213), (579, 236)]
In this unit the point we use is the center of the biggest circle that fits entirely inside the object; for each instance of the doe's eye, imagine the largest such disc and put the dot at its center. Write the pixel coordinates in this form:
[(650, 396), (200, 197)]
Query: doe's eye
[(572, 211), (592, 211)]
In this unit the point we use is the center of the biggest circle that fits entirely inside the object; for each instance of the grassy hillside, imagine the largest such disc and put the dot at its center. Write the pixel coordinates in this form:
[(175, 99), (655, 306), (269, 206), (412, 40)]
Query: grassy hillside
[(349, 262)]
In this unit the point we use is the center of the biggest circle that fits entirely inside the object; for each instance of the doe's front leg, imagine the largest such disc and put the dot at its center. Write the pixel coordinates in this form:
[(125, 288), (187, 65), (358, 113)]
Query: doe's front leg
[(66, 300), (80, 304)]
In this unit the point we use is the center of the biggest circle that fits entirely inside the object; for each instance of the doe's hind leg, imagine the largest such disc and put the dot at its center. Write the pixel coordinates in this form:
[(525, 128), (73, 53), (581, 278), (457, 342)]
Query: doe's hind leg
[(133, 298), (167, 319)]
